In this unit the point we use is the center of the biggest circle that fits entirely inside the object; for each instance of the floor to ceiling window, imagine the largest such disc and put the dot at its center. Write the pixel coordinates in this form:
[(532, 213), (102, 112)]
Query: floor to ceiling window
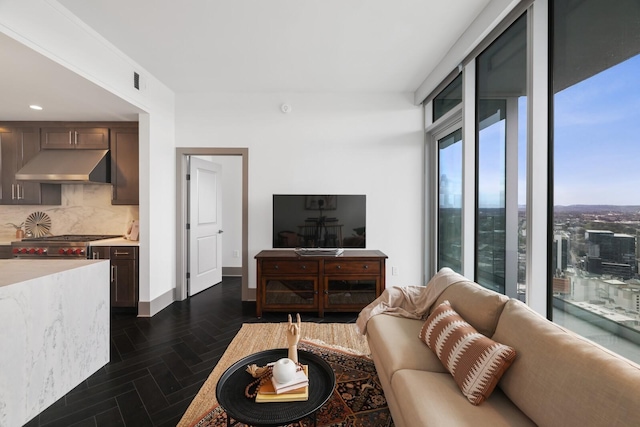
[(591, 207), (450, 201), (448, 141), (501, 116), (596, 205)]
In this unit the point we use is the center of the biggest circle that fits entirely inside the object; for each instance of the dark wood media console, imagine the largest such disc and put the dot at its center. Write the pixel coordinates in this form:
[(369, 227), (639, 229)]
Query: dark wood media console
[(287, 281)]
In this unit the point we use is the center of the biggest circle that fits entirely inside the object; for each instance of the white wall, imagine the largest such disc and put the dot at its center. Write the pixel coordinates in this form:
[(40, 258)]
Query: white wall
[(157, 209), (330, 143)]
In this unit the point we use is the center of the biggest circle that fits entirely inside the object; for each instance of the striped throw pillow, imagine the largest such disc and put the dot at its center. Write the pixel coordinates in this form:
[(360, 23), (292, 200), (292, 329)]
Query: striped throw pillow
[(475, 361)]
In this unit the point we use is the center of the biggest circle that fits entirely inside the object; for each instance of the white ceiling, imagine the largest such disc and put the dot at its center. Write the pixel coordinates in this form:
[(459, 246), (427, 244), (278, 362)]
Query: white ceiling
[(26, 78), (270, 45)]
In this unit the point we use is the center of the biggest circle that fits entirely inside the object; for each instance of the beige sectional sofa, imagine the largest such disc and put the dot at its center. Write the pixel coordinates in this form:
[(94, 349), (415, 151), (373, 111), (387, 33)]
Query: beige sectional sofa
[(557, 378)]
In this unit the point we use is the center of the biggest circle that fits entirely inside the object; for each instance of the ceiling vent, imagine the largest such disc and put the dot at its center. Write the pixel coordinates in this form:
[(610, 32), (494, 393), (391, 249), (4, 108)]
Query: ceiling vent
[(136, 80)]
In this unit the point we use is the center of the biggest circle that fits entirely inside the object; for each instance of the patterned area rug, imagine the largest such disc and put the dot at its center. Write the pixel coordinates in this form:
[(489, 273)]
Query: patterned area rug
[(357, 400)]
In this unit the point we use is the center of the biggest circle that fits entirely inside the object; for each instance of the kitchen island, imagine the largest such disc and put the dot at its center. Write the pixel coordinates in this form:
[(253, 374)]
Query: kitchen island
[(54, 331)]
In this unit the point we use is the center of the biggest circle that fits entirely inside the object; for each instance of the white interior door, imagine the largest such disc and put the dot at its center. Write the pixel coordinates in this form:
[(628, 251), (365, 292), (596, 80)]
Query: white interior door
[(205, 225)]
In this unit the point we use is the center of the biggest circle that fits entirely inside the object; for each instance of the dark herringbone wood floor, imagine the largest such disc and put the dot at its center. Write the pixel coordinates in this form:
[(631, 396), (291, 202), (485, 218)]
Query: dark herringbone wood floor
[(158, 364)]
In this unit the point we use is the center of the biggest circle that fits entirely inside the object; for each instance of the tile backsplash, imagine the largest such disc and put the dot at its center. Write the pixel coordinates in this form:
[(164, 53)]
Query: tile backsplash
[(84, 209)]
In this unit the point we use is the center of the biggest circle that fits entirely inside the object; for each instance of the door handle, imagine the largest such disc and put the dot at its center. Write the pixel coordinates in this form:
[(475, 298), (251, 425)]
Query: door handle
[(220, 231)]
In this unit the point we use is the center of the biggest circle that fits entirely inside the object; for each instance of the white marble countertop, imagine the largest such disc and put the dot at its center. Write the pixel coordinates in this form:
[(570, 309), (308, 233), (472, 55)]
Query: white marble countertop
[(118, 241), (21, 270)]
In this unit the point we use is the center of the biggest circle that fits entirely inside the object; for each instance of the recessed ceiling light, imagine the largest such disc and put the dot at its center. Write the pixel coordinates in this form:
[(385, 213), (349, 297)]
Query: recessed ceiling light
[(35, 107)]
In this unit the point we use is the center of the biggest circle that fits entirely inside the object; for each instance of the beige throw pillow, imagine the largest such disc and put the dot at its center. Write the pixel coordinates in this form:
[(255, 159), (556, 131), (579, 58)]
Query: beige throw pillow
[(475, 361)]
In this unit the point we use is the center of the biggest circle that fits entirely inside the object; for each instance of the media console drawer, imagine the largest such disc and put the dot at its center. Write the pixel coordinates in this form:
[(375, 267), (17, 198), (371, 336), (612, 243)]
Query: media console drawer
[(290, 267), (352, 266), (289, 282)]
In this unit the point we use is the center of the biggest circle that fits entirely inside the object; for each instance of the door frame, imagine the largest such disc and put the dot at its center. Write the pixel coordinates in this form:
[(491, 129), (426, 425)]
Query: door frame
[(181, 214)]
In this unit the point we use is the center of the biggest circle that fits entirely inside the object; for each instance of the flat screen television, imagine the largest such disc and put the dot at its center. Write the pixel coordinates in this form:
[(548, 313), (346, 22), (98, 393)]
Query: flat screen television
[(319, 221)]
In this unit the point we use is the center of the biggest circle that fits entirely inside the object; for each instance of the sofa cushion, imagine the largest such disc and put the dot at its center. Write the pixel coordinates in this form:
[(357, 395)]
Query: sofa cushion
[(475, 361), (561, 378), (395, 345), (433, 399), (479, 306)]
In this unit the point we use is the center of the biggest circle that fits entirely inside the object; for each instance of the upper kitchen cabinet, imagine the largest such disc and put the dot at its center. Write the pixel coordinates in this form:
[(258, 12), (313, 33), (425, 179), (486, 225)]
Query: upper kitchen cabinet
[(124, 166), (18, 145), (70, 136)]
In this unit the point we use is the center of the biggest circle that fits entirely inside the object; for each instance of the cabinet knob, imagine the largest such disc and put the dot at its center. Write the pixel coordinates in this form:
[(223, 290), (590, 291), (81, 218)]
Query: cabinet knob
[(304, 267), (366, 266), (276, 266), (338, 267), (326, 292)]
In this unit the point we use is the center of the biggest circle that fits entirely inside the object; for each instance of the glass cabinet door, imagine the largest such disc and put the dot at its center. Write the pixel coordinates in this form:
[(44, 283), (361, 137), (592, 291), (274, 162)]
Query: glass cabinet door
[(290, 292), (348, 292)]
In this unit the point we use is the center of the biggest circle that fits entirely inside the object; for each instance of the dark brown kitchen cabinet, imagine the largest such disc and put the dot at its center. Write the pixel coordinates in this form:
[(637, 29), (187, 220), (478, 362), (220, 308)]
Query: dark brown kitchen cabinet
[(18, 145), (123, 273), (72, 137), (100, 252), (124, 166), (124, 276), (5, 252)]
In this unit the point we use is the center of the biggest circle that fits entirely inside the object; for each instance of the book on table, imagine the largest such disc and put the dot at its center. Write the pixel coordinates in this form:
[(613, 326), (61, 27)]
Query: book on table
[(295, 390)]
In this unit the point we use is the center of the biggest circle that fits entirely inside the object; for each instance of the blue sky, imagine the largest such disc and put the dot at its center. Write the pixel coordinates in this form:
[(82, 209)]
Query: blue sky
[(596, 147), (597, 139)]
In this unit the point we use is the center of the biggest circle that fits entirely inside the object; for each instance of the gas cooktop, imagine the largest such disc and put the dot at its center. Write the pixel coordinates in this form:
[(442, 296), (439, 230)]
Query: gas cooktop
[(66, 245)]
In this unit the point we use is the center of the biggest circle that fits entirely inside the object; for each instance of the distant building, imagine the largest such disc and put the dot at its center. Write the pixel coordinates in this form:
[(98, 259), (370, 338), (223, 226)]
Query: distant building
[(618, 295), (613, 269), (560, 253), (561, 285), (611, 253), (625, 296), (599, 243)]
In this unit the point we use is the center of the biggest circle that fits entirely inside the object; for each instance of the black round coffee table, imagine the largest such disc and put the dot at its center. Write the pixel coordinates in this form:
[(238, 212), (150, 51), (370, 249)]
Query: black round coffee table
[(231, 386)]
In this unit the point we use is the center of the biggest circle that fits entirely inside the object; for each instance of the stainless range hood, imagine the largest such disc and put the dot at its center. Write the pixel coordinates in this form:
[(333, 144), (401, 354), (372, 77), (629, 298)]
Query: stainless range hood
[(67, 167)]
